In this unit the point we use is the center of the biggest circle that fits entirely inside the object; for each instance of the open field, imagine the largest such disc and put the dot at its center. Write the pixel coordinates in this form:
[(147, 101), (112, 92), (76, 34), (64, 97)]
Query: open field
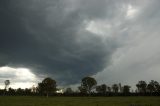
[(79, 101)]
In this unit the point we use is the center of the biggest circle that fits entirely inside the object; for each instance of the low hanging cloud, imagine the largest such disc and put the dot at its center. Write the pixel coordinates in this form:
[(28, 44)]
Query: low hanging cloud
[(50, 37), (68, 40)]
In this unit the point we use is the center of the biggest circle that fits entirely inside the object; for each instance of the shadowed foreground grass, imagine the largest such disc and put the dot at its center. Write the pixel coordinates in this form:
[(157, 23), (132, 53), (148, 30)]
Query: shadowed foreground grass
[(78, 101)]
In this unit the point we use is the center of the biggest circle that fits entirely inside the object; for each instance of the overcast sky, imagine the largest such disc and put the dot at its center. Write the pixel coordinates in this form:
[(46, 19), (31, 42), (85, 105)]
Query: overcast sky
[(112, 40)]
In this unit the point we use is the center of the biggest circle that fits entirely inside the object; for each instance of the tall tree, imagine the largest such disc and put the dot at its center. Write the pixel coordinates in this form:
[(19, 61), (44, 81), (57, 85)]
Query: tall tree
[(69, 90), (27, 91), (153, 86), (157, 86), (142, 85), (87, 84), (47, 86), (82, 89), (108, 89), (11, 91), (150, 88), (101, 88), (126, 89), (115, 88), (6, 82), (138, 87), (20, 91)]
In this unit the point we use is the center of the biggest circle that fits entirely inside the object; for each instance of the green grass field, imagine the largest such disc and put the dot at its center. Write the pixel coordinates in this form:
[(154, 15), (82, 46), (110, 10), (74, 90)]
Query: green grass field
[(79, 101)]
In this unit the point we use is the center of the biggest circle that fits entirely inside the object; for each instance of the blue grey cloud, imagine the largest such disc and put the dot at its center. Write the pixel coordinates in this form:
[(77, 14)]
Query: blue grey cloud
[(50, 38), (70, 39)]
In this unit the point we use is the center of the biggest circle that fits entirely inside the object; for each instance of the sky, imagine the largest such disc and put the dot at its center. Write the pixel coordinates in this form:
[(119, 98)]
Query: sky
[(114, 41)]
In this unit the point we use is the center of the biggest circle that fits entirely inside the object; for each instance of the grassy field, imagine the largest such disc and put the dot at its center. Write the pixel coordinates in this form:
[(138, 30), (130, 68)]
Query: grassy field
[(79, 101)]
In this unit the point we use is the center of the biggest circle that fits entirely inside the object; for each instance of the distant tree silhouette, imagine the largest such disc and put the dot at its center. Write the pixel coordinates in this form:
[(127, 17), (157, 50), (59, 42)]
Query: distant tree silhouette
[(150, 88), (82, 90), (138, 87), (20, 91), (27, 91), (157, 86), (47, 86), (69, 91), (6, 82), (87, 84), (141, 86), (153, 86), (115, 88), (101, 88), (158, 89), (11, 91), (108, 89), (126, 89)]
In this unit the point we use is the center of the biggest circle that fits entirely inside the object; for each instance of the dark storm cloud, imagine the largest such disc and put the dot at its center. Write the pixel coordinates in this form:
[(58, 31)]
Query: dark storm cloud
[(49, 37)]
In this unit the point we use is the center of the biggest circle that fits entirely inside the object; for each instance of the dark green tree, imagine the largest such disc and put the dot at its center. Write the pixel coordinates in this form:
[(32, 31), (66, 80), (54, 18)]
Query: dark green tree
[(115, 88), (87, 84), (157, 86), (126, 89), (27, 91), (150, 88), (82, 89), (138, 87), (11, 91), (142, 85), (153, 86), (108, 89), (20, 91), (69, 91), (158, 89), (47, 86), (101, 88)]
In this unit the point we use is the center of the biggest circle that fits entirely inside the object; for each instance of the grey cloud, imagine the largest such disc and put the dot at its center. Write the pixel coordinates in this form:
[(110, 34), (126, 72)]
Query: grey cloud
[(138, 59), (49, 37), (43, 36)]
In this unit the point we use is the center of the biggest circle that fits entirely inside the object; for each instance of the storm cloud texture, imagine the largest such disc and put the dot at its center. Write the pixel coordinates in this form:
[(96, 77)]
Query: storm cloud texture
[(115, 41)]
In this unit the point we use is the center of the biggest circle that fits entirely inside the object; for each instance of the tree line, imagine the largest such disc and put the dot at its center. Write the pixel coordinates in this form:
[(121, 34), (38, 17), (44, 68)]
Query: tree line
[(88, 87)]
